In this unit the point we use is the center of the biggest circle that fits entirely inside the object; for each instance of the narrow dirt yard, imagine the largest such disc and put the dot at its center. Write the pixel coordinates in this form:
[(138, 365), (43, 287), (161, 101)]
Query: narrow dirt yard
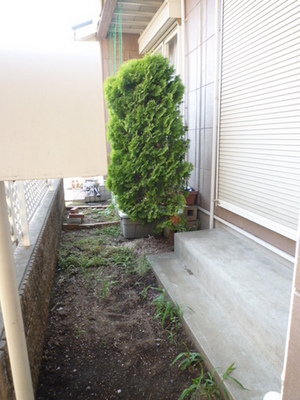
[(108, 337)]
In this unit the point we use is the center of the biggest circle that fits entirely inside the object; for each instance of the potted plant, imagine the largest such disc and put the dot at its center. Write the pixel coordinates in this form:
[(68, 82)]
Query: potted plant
[(191, 195), (147, 137), (176, 223)]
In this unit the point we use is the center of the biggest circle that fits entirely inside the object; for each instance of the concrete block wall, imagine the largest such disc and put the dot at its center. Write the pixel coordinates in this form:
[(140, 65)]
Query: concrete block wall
[(35, 269)]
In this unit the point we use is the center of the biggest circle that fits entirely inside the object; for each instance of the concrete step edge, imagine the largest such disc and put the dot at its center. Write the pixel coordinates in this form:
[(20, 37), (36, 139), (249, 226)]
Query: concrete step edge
[(244, 298), (214, 332)]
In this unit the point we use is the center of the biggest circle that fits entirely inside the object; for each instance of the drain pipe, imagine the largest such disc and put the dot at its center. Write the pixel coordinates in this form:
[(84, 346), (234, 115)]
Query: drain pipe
[(215, 123), (11, 310), (183, 54)]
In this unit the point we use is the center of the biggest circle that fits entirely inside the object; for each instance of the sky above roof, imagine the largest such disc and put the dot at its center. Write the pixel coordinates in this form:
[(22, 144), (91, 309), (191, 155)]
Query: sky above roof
[(41, 20)]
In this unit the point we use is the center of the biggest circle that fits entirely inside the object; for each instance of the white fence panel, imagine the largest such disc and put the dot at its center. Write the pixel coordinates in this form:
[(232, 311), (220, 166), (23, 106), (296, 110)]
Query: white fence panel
[(34, 192)]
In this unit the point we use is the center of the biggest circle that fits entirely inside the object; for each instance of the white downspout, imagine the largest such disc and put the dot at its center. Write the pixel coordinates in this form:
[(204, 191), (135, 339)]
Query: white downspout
[(183, 55), (11, 310), (215, 123)]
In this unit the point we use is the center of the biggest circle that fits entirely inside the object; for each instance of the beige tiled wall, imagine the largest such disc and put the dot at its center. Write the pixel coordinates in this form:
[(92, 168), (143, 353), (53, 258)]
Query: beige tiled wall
[(199, 57)]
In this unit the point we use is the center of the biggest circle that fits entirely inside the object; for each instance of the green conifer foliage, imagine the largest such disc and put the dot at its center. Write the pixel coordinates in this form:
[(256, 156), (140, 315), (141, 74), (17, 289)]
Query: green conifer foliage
[(147, 136)]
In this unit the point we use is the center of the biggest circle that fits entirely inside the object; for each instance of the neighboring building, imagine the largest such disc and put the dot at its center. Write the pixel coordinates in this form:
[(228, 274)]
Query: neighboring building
[(239, 62)]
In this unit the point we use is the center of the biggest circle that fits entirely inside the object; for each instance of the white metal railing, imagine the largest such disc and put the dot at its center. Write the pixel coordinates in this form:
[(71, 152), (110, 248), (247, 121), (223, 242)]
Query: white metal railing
[(23, 199)]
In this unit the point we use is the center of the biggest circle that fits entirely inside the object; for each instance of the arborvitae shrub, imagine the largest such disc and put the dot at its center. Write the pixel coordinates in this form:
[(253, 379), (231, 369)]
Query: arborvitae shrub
[(147, 137)]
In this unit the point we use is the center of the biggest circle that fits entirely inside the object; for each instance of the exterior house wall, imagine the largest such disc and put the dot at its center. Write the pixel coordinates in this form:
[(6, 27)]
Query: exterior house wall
[(36, 267), (130, 51), (199, 81), (199, 103), (274, 239), (258, 186), (199, 67)]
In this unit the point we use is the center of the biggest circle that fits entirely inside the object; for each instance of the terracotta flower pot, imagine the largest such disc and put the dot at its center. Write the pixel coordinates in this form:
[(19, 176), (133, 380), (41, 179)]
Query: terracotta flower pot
[(191, 199)]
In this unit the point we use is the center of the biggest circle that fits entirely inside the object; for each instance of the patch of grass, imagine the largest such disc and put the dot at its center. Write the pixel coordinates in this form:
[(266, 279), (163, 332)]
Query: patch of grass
[(189, 359), (106, 285), (113, 231), (71, 261), (82, 261), (126, 259), (193, 390), (172, 335), (143, 266), (98, 275), (102, 214), (205, 385), (167, 312), (91, 245), (143, 293)]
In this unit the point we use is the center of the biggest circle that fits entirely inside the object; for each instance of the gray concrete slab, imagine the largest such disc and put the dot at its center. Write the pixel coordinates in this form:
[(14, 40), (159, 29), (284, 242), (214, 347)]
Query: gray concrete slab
[(235, 305), (254, 288)]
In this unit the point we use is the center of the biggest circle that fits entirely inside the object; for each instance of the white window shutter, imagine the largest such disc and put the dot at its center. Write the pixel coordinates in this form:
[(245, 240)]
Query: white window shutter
[(259, 142)]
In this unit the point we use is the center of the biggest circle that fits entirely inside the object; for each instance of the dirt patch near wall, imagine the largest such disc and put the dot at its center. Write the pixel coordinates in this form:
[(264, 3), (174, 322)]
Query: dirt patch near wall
[(103, 339)]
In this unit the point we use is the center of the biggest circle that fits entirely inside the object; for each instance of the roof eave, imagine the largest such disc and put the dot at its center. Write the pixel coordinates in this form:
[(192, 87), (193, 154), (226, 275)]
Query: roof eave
[(105, 18)]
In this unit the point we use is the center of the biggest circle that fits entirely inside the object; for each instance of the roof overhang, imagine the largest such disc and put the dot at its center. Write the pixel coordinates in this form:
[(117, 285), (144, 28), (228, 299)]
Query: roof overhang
[(135, 15), (150, 19), (169, 12)]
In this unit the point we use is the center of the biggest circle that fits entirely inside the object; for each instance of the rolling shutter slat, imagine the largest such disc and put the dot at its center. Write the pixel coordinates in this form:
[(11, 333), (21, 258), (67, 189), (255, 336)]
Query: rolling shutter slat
[(259, 139)]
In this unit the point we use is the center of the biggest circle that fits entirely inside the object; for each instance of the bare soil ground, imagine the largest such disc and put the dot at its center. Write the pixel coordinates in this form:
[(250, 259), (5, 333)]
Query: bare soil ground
[(103, 340)]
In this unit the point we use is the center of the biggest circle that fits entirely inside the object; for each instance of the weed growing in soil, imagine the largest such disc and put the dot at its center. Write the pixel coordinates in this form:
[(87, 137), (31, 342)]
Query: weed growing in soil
[(143, 266), (106, 286), (189, 359), (167, 312), (205, 384)]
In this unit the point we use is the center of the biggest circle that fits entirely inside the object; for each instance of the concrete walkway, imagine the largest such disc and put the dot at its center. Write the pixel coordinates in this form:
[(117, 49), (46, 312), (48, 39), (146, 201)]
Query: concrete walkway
[(235, 301)]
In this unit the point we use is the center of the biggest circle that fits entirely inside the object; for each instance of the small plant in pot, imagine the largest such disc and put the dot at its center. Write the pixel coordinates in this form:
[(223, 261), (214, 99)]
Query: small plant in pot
[(190, 195), (147, 137), (176, 223)]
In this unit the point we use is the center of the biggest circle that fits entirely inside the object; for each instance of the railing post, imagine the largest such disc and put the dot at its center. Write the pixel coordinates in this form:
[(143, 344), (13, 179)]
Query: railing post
[(11, 310), (23, 214), (50, 182), (12, 216)]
